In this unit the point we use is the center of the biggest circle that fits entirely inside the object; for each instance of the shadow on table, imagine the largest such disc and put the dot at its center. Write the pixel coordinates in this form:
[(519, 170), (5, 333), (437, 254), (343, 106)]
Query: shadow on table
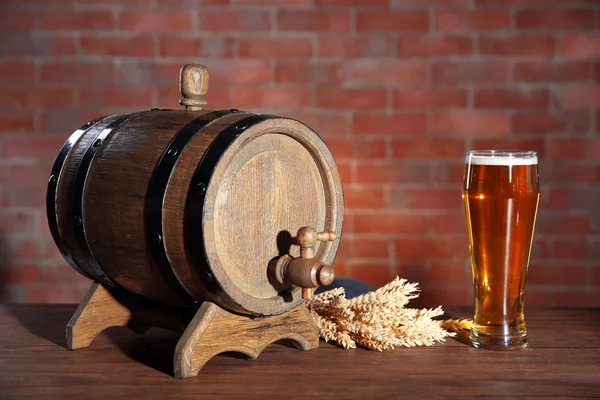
[(46, 322), (4, 267), (156, 347)]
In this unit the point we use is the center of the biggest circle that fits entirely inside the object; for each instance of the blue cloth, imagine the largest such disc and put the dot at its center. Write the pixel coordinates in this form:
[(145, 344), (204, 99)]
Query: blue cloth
[(353, 287)]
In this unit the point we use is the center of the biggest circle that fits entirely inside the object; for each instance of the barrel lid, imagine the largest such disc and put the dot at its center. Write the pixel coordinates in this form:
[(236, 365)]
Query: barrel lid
[(276, 177)]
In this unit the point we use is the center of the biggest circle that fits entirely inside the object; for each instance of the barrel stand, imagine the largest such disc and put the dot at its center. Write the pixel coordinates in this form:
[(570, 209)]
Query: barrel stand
[(206, 332)]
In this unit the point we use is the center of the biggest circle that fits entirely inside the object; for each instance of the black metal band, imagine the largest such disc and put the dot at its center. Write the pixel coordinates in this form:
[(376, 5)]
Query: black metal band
[(153, 207), (194, 206), (82, 173), (51, 194)]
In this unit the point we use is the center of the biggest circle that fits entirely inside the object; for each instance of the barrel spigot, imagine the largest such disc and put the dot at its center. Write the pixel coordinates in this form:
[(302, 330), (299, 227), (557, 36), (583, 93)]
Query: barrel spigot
[(193, 84), (304, 271)]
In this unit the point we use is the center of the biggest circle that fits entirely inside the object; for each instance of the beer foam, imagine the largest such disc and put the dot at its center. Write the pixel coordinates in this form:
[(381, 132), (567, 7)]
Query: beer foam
[(504, 160)]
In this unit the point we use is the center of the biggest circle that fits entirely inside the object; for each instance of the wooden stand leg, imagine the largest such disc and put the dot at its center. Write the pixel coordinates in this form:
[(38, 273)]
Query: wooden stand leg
[(211, 331), (214, 330), (98, 310)]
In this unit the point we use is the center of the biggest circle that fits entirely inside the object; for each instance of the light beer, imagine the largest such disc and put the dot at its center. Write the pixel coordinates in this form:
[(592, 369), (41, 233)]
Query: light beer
[(501, 194)]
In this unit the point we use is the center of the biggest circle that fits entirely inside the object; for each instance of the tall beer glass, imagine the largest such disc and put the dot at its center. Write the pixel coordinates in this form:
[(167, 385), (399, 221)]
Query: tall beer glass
[(501, 194)]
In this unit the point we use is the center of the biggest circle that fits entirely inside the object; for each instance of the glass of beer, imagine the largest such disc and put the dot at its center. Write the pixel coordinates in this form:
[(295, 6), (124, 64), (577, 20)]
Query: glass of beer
[(501, 194)]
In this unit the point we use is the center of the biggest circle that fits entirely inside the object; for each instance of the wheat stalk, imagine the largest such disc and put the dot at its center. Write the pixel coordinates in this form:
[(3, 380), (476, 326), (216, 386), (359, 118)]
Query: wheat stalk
[(456, 324), (377, 320)]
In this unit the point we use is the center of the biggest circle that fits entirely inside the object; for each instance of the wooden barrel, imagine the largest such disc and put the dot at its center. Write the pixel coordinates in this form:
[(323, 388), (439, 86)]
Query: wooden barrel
[(187, 206)]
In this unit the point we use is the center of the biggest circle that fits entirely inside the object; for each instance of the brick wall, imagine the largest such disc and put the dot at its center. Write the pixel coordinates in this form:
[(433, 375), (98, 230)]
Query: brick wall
[(399, 89)]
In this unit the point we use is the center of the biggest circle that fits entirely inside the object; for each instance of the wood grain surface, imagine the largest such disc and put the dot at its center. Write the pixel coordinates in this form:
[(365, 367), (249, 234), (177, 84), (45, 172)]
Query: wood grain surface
[(563, 361)]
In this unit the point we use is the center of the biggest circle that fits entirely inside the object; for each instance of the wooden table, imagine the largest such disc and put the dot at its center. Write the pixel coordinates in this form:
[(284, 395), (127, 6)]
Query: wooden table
[(563, 361)]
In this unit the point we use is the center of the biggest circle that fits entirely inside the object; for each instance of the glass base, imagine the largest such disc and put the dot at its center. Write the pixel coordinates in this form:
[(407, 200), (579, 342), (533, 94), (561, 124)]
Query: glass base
[(498, 342)]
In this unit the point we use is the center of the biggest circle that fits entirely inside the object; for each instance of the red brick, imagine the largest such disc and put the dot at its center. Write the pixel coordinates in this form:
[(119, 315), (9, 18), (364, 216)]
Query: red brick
[(522, 45), (77, 20), (156, 21), (85, 73), (570, 249), (577, 148), (27, 196), (141, 46), (236, 72), (576, 46), (449, 173), (466, 21), (357, 198), (364, 248), (118, 2), (345, 172), (595, 277), (512, 98), (430, 98), (53, 292), (392, 173), (278, 97), (469, 123), (570, 173), (352, 3), (13, 122), (556, 198), (302, 72), (325, 123), (63, 121), (372, 72), (577, 299), (262, 3), (375, 275), (390, 124), (196, 47), (31, 146), (275, 48), (529, 2), (116, 97), (26, 44), (537, 145), (425, 199), (356, 148), (389, 223), (23, 272), (555, 19), (146, 73), (552, 275), (584, 96), (37, 97), (552, 72), (469, 72), (389, 21), (428, 149), (11, 20), (301, 20), (228, 21), (443, 247), (448, 223), (17, 222), (356, 47), (430, 3), (426, 46), (23, 173), (449, 273), (556, 122), (351, 98), (17, 71), (564, 223)]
